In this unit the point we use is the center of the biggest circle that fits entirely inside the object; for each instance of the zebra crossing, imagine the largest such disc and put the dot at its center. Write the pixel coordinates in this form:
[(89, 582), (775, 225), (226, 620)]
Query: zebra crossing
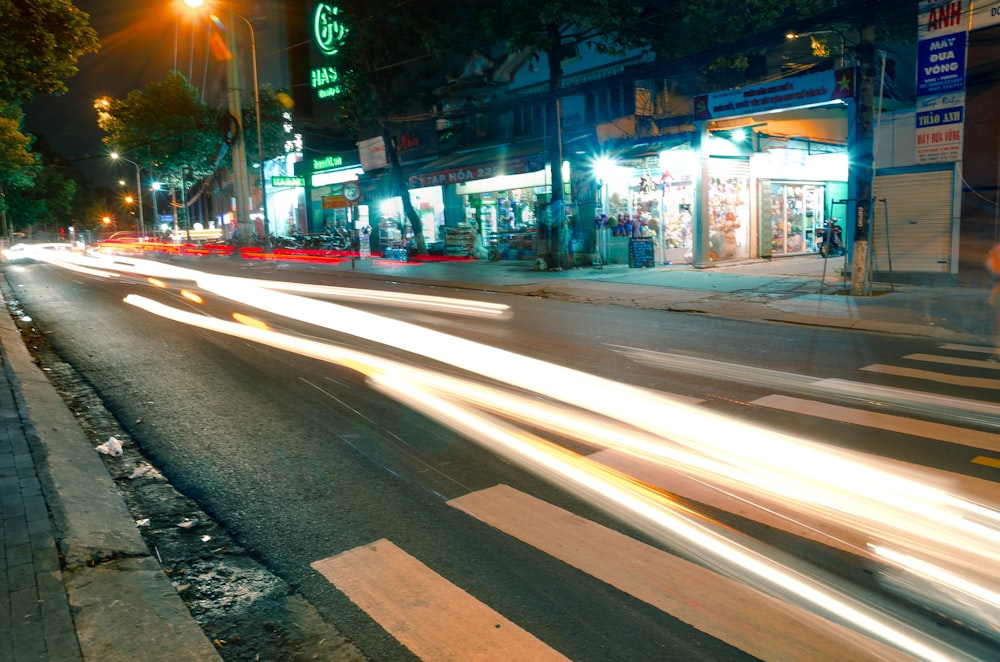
[(437, 620)]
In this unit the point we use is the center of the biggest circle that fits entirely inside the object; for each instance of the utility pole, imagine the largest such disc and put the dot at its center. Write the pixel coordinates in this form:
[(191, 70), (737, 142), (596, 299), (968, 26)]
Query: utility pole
[(862, 163), (240, 176)]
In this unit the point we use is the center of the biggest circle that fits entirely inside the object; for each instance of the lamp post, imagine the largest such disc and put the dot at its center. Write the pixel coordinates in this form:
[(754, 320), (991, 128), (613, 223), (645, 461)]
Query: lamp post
[(840, 59), (138, 189), (156, 186), (241, 178), (260, 141)]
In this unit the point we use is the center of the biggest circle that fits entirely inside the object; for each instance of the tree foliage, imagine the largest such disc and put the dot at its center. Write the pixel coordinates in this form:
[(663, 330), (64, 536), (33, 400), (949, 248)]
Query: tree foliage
[(40, 45), (393, 58), (273, 106), (17, 164), (165, 127)]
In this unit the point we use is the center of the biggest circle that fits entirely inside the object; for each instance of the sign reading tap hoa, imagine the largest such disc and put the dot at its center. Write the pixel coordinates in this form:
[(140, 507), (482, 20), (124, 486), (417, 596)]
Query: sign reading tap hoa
[(940, 115)]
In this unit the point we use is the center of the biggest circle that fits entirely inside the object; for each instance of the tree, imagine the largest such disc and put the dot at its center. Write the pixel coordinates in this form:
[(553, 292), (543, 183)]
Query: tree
[(273, 106), (555, 29), (393, 57), (17, 164), (165, 127), (40, 45)]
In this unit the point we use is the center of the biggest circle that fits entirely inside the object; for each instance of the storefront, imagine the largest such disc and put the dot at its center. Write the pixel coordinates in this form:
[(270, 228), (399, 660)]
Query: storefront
[(488, 197), (330, 208), (789, 169), (653, 196), (286, 195)]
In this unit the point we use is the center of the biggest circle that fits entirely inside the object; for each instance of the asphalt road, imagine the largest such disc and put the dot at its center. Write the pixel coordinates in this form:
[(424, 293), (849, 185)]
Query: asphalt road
[(303, 462)]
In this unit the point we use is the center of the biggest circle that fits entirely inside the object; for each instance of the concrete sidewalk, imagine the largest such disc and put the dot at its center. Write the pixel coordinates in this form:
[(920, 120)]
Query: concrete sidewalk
[(81, 583)]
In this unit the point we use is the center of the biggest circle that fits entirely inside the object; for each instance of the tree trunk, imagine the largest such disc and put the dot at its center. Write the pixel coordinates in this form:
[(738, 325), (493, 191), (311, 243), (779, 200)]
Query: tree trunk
[(862, 164), (403, 190)]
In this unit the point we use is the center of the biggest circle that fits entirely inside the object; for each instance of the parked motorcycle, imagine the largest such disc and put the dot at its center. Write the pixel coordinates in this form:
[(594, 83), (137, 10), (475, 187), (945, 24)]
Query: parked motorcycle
[(834, 246)]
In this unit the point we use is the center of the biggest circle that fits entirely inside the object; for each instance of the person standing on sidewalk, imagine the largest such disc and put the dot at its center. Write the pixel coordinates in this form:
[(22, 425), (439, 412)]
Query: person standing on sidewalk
[(993, 266)]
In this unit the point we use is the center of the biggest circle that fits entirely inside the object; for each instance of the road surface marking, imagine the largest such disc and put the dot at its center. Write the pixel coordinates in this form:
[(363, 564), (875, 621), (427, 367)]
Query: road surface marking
[(893, 394), (952, 434), (987, 461), (951, 360), (955, 380), (982, 349), (425, 612), (755, 622)]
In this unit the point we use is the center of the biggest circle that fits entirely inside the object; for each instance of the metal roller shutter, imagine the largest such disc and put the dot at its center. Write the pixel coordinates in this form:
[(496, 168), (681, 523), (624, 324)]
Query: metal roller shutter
[(921, 217)]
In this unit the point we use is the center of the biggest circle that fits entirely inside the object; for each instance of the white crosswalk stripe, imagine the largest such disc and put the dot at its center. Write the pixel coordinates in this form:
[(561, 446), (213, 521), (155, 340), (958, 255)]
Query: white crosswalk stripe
[(438, 620), (428, 614), (939, 431), (929, 375)]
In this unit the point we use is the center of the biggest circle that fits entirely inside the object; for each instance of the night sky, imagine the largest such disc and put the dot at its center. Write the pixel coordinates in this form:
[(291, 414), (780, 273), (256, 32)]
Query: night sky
[(137, 48)]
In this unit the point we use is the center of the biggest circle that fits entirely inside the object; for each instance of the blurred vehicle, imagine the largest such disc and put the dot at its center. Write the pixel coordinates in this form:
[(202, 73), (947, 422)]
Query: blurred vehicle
[(23, 252)]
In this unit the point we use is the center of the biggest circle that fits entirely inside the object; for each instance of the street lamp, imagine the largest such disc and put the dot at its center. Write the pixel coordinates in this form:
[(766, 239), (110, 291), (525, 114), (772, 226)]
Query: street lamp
[(138, 188), (840, 59), (260, 141), (240, 176)]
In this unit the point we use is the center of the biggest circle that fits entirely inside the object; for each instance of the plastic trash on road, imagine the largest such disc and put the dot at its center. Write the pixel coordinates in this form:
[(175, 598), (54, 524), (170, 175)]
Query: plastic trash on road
[(111, 447)]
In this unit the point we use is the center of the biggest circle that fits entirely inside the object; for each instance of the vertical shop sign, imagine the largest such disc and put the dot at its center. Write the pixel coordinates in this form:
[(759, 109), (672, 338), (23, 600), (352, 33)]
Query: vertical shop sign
[(941, 51), (329, 35)]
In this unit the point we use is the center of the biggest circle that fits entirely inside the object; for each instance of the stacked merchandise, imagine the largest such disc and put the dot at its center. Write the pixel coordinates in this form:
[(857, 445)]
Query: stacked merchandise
[(460, 241)]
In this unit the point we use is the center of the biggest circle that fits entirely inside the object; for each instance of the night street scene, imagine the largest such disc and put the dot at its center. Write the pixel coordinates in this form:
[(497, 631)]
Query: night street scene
[(448, 330)]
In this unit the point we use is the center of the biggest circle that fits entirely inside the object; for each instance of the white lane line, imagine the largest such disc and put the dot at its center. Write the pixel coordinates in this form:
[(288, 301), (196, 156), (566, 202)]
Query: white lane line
[(425, 612), (954, 380), (953, 360), (952, 434), (755, 622)]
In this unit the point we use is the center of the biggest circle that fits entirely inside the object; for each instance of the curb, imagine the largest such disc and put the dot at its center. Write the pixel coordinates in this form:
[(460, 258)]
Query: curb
[(122, 603)]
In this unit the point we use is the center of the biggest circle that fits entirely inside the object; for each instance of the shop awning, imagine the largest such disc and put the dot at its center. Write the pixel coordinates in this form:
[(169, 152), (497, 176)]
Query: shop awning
[(651, 147), (495, 161)]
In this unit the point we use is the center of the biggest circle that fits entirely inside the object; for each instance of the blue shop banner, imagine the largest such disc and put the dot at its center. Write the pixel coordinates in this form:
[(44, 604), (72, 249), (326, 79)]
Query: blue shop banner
[(941, 64)]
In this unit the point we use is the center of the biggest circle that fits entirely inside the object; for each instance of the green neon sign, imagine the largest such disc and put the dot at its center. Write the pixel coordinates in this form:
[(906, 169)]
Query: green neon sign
[(327, 28), (329, 33), (327, 162), (278, 181)]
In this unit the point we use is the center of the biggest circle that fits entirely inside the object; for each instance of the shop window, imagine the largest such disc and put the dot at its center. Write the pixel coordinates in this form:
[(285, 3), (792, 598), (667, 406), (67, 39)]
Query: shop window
[(790, 214)]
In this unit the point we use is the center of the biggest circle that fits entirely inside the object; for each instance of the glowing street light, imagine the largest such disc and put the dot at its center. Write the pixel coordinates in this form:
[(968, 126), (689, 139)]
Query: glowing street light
[(241, 178), (840, 58), (138, 187)]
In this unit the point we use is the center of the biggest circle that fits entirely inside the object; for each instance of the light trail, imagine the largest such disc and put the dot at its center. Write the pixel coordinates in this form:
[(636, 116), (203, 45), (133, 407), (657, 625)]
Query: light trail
[(611, 490), (159, 271), (814, 479), (976, 412)]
